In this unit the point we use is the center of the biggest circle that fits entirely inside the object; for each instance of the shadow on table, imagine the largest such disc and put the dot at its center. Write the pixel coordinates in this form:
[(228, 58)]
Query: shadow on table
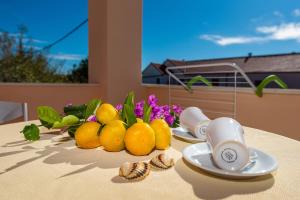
[(179, 144), (118, 179), (44, 136), (65, 151), (98, 158), (24, 147), (93, 158), (207, 186)]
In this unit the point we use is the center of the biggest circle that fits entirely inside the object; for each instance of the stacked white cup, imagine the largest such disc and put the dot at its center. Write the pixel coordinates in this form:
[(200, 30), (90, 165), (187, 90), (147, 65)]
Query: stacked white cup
[(193, 119), (224, 135), (226, 139)]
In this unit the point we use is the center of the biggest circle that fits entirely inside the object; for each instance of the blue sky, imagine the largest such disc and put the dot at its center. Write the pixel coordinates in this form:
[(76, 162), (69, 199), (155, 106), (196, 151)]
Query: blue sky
[(197, 29), (47, 20), (177, 29)]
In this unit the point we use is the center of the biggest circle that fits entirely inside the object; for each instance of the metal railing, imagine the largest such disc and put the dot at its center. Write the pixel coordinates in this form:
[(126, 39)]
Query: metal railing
[(234, 76)]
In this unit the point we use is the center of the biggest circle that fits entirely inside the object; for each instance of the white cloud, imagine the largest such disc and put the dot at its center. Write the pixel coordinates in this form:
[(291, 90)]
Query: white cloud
[(278, 13), (266, 29), (224, 41), (27, 39), (285, 31), (257, 19), (67, 57), (290, 31), (38, 41), (33, 47), (296, 12), (34, 41)]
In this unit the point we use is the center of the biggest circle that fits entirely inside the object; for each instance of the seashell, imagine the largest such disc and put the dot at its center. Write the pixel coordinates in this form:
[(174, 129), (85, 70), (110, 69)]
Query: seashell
[(162, 161), (134, 171)]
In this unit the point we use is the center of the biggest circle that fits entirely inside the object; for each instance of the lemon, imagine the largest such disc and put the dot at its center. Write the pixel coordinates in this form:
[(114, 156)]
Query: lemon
[(112, 136), (139, 120), (106, 113), (162, 133), (86, 135), (140, 139)]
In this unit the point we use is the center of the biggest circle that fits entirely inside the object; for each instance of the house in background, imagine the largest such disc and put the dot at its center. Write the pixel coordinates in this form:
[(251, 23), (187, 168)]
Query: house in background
[(286, 66), (153, 74)]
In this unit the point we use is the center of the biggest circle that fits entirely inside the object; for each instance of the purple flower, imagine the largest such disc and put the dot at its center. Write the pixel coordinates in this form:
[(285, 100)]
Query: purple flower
[(92, 118), (170, 119), (151, 116), (156, 109), (152, 100), (165, 110), (177, 109), (139, 109), (119, 107), (158, 112), (140, 104)]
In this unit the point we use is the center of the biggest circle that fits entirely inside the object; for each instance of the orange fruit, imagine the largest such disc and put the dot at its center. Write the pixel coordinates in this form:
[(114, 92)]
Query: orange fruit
[(106, 113), (112, 136), (140, 139), (86, 135), (162, 134)]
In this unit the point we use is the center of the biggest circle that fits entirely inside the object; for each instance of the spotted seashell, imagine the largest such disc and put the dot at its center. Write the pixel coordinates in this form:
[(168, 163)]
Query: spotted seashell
[(162, 161), (134, 171)]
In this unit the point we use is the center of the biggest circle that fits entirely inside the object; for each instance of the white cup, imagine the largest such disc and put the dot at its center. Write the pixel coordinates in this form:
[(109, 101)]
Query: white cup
[(226, 139), (193, 119)]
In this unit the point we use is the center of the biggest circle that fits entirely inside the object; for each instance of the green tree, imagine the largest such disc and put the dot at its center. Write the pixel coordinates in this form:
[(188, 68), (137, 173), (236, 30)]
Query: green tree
[(20, 62), (79, 73)]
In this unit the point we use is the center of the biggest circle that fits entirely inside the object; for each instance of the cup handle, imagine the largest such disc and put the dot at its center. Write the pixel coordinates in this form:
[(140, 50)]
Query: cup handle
[(253, 154)]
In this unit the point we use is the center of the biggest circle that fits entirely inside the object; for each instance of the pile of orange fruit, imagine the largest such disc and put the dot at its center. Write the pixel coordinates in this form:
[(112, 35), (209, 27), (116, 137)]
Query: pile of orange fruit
[(110, 132)]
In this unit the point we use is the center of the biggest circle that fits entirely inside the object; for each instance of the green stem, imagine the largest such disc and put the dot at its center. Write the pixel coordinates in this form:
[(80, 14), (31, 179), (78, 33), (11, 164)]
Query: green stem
[(198, 79), (268, 80)]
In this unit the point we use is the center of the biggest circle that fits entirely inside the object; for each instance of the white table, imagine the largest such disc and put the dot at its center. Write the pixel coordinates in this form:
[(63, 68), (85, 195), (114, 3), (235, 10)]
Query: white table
[(46, 169)]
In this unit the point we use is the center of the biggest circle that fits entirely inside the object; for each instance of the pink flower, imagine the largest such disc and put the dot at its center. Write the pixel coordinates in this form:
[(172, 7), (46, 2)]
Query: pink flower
[(139, 109), (177, 109), (152, 100), (170, 119), (92, 118), (119, 107)]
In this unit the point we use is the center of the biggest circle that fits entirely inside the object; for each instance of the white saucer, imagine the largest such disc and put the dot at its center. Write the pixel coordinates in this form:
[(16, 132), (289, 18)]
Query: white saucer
[(185, 135), (199, 155)]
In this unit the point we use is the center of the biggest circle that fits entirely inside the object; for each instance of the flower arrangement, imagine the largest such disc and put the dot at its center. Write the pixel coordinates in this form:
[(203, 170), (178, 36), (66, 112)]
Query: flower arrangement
[(169, 113), (138, 127), (76, 115)]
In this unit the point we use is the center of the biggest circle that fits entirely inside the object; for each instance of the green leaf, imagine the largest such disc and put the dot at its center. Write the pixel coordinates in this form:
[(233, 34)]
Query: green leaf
[(91, 107), (46, 124), (48, 116), (72, 130), (31, 132), (198, 79), (147, 112), (176, 122), (128, 101), (79, 111), (129, 115), (66, 121), (266, 81)]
